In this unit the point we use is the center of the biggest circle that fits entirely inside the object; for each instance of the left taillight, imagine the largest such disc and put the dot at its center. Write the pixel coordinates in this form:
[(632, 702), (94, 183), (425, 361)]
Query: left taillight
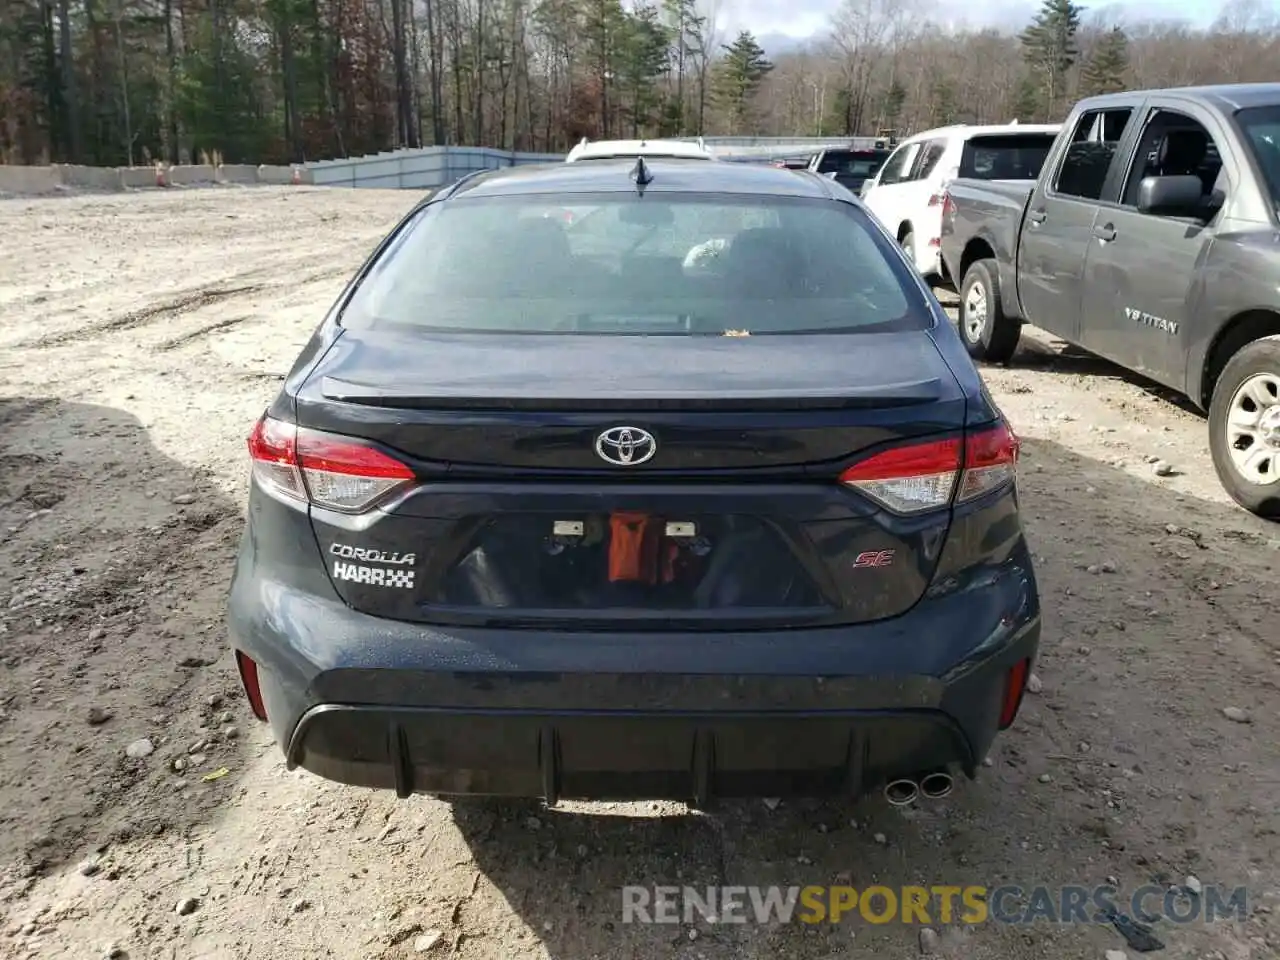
[(334, 472), (918, 477)]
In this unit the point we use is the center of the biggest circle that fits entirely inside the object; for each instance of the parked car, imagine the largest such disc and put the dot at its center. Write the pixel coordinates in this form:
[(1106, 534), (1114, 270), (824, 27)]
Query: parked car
[(850, 167), (616, 149), (1150, 238), (906, 195), (569, 510)]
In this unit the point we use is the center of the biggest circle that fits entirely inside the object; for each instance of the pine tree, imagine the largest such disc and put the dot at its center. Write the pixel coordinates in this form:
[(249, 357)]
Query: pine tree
[(1027, 102), (642, 58), (738, 76), (1105, 70), (942, 96), (1049, 48), (895, 98), (684, 26)]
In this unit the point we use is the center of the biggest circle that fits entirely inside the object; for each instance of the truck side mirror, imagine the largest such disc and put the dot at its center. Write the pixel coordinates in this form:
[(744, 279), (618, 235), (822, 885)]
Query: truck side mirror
[(1180, 195)]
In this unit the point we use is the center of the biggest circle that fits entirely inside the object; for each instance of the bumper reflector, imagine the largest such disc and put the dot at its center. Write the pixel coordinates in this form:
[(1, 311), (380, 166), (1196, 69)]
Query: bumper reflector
[(252, 689), (1015, 685)]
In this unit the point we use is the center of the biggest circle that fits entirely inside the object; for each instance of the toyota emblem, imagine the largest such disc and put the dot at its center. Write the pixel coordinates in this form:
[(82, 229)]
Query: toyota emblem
[(626, 446)]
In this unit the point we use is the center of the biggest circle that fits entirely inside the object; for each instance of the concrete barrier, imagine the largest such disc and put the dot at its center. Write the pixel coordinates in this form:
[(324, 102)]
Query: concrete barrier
[(199, 173), (283, 175), (29, 181), (134, 178), (236, 173), (39, 181), (92, 178)]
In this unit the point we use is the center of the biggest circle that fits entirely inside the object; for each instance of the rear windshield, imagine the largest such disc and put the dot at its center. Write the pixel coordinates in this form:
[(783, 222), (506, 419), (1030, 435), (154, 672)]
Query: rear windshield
[(1005, 156), (625, 264), (853, 163)]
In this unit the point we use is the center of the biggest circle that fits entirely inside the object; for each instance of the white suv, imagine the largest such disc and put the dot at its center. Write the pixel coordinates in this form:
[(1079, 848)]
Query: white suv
[(906, 194), (615, 149)]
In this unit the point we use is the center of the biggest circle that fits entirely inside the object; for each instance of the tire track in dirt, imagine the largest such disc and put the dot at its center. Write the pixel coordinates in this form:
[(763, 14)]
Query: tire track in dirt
[(186, 303), (200, 333)]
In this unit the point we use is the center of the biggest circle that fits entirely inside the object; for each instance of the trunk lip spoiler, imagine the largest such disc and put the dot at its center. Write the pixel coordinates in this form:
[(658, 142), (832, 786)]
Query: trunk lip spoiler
[(900, 393)]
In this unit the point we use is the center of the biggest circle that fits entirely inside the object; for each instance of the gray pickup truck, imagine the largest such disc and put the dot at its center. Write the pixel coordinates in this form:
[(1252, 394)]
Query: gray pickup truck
[(1151, 238)]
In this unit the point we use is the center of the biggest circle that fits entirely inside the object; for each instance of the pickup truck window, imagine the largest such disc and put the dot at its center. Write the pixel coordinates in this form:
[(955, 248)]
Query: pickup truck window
[(1005, 156), (1083, 169), (1173, 144), (897, 167), (853, 163), (1261, 127), (933, 151)]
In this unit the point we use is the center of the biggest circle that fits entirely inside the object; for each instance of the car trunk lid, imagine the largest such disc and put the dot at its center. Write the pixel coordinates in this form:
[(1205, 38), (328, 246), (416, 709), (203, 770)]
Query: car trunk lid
[(735, 517)]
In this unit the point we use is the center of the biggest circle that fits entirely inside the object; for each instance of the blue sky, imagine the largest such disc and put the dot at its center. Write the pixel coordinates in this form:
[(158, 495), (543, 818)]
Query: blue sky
[(801, 18)]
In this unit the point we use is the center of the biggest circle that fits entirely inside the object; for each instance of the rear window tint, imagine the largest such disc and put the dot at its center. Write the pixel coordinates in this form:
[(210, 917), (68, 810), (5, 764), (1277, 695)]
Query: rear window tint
[(853, 163), (657, 264), (1005, 156)]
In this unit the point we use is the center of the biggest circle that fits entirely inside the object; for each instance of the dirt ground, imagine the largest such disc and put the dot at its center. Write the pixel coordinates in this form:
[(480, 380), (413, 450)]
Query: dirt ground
[(142, 335)]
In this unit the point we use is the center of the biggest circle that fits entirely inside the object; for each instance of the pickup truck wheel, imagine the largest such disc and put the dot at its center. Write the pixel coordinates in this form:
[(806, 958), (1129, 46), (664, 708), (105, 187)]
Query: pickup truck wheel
[(987, 333), (1244, 428)]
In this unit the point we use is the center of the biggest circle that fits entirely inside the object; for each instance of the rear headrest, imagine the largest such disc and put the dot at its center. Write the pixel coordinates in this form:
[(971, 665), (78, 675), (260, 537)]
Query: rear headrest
[(541, 238), (763, 262)]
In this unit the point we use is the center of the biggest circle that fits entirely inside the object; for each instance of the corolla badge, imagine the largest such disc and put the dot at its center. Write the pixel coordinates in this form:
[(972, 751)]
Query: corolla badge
[(626, 446)]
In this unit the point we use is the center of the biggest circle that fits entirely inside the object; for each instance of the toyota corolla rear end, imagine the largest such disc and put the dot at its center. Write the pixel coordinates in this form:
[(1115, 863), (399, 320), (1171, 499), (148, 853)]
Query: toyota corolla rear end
[(528, 524)]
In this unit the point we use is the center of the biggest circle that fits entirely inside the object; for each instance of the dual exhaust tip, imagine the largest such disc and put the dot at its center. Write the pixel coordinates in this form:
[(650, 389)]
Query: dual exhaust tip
[(931, 786)]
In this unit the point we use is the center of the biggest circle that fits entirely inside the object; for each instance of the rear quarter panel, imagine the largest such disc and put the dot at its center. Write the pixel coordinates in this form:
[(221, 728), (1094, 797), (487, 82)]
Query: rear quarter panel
[(987, 213)]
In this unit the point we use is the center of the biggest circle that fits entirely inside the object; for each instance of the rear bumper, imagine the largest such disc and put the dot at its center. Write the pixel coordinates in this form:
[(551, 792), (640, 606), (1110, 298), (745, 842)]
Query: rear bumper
[(618, 755), (929, 260), (531, 713)]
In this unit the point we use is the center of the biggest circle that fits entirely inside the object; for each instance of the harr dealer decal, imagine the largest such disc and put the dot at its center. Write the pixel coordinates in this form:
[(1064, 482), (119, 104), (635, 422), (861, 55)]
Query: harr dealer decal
[(353, 572), (373, 576)]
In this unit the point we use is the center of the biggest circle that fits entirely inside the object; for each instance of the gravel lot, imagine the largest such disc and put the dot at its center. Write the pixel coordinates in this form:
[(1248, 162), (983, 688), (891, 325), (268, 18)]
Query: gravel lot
[(142, 335)]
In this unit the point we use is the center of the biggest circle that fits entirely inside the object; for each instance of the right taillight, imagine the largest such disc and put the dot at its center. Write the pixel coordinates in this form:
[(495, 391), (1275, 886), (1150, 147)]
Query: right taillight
[(909, 479), (334, 472), (918, 477)]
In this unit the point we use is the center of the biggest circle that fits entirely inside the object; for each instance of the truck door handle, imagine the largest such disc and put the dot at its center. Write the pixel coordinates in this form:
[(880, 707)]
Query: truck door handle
[(1037, 216), (1105, 233)]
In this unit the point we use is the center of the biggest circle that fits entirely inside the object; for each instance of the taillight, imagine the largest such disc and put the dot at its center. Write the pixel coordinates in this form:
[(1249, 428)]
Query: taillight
[(334, 472), (925, 476), (910, 479), (990, 461)]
